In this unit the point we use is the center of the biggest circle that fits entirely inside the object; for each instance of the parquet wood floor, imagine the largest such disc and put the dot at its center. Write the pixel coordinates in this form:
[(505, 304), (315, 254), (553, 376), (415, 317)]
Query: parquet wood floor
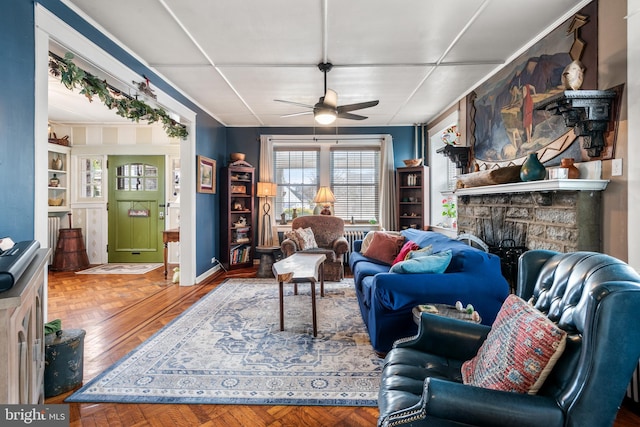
[(119, 312)]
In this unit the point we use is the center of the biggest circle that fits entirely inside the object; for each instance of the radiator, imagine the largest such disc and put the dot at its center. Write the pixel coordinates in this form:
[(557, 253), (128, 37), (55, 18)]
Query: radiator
[(351, 237), (54, 228)]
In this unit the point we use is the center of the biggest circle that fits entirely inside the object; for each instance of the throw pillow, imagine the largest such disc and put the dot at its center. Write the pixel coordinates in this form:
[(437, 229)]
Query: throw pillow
[(369, 237), (404, 251), (431, 264), (295, 238), (307, 238), (418, 253), (384, 247), (519, 352)]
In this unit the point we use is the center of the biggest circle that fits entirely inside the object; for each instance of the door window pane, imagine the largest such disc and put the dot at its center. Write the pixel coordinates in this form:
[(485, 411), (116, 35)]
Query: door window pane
[(137, 177)]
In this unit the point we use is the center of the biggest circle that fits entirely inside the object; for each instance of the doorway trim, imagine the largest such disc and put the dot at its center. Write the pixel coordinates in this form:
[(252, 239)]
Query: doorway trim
[(51, 27)]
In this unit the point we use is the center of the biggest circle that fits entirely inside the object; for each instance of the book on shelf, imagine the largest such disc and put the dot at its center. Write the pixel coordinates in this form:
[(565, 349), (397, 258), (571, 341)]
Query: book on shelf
[(240, 254)]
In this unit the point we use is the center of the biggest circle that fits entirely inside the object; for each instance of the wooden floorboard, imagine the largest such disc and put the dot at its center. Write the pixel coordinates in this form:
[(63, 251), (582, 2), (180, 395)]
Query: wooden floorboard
[(119, 312)]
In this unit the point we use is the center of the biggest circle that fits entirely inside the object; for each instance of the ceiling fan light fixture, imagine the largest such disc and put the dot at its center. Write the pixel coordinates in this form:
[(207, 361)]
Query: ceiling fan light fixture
[(324, 115)]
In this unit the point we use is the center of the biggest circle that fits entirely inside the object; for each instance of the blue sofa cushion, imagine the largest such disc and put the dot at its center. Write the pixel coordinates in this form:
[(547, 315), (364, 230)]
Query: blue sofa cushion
[(434, 264)]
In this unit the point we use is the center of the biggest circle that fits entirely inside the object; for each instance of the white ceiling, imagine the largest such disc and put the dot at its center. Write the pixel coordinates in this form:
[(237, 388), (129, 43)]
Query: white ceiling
[(234, 57)]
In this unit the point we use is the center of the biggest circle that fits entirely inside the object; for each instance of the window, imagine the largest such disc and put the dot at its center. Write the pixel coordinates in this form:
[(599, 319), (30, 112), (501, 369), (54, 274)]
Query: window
[(137, 177), (91, 177), (297, 174), (355, 175), (350, 168)]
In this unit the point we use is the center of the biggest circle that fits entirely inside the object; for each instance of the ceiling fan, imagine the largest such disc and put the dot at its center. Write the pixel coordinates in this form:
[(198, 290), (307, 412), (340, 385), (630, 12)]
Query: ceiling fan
[(326, 110)]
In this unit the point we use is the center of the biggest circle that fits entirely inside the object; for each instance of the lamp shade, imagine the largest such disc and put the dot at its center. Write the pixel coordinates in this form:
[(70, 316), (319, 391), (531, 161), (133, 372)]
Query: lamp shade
[(324, 115), (267, 189), (324, 196)]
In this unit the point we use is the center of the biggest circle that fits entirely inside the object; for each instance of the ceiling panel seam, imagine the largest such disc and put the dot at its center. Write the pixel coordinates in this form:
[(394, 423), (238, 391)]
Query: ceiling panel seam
[(220, 73)]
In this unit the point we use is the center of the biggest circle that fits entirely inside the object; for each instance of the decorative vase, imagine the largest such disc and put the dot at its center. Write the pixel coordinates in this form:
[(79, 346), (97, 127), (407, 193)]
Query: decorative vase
[(57, 163), (532, 169), (54, 181), (573, 171)]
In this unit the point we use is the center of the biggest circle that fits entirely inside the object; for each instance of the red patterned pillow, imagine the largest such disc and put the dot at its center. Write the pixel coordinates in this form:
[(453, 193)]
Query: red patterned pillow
[(519, 352), (384, 247), (404, 251)]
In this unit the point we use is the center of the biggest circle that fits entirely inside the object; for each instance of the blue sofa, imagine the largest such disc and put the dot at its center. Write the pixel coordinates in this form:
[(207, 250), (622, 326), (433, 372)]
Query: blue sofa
[(386, 299)]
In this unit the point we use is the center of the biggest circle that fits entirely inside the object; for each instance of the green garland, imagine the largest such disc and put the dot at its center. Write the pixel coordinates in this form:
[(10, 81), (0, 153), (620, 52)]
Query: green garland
[(134, 109)]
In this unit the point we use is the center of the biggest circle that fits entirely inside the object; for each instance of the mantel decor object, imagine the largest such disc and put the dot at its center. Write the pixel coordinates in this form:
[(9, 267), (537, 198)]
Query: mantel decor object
[(532, 169), (572, 171), (586, 111)]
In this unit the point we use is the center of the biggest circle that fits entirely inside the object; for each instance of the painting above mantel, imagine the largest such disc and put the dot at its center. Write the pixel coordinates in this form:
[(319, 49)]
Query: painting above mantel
[(503, 127)]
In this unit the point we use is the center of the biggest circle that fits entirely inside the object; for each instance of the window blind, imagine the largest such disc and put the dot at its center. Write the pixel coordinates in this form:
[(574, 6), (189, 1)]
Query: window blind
[(355, 176), (297, 172)]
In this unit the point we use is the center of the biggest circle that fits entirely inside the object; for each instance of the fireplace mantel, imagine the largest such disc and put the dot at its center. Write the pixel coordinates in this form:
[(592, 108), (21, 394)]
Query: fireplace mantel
[(540, 186)]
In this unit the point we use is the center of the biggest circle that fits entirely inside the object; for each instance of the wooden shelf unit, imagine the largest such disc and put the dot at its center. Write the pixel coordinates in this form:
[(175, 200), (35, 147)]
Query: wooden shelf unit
[(58, 165), (237, 201), (22, 316), (412, 185)]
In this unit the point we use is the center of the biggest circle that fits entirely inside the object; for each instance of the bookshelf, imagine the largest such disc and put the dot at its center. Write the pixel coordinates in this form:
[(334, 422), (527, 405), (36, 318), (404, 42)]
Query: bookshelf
[(237, 215)]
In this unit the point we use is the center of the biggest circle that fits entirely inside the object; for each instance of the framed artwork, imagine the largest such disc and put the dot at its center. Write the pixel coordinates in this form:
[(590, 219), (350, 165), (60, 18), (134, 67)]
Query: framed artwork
[(503, 127), (206, 175)]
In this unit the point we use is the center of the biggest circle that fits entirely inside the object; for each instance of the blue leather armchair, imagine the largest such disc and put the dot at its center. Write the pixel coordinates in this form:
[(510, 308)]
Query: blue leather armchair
[(592, 296)]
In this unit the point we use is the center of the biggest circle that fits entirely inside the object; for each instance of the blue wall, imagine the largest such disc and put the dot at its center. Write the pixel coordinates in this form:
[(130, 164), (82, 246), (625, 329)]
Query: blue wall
[(17, 115), (247, 140), (17, 40)]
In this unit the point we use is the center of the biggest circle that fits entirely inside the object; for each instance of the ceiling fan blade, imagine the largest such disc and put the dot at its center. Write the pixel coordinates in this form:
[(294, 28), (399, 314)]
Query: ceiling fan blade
[(331, 98), (358, 106), (351, 116), (294, 103), (298, 114)]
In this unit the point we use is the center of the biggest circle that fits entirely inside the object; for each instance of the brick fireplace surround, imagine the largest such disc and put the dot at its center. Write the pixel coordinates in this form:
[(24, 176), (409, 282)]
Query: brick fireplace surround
[(549, 215)]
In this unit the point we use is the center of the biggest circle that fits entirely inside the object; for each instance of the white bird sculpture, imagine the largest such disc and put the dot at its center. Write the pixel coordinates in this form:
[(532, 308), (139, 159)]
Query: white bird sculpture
[(573, 75)]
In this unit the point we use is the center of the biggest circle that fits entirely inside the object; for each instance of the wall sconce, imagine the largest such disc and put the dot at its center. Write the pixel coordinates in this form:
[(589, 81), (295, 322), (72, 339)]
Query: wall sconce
[(266, 190), (587, 111), (325, 197)]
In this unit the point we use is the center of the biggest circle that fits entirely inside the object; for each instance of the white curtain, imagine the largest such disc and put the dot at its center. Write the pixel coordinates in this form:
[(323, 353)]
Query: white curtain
[(388, 209), (267, 174)]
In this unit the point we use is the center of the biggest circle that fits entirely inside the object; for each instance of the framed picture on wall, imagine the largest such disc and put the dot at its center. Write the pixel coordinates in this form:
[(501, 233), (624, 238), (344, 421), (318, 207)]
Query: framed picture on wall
[(206, 182)]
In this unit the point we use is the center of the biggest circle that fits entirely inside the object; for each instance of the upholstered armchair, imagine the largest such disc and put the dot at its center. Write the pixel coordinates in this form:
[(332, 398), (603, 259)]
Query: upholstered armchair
[(593, 297), (328, 232)]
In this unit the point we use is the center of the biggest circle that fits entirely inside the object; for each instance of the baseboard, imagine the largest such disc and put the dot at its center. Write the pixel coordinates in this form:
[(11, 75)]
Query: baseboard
[(207, 274)]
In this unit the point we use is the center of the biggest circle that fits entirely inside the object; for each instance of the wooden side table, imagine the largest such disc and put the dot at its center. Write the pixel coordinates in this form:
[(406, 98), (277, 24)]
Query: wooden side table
[(267, 258), (168, 236)]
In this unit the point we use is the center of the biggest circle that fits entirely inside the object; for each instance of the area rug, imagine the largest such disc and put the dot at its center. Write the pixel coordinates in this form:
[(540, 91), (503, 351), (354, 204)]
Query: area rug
[(228, 349), (132, 268)]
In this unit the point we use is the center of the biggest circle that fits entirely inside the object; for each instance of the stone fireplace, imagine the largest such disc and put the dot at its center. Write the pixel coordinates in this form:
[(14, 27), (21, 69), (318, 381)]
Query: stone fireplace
[(559, 215)]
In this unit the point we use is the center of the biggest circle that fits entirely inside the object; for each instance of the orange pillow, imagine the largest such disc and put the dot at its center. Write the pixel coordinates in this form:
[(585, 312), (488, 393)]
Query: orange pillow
[(404, 251), (384, 247)]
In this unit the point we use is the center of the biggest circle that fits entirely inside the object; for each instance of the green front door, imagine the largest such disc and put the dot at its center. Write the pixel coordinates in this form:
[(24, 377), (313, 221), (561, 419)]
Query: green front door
[(136, 208)]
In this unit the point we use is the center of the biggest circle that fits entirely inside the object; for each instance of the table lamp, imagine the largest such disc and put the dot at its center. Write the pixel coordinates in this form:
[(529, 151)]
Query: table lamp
[(266, 190), (325, 197)]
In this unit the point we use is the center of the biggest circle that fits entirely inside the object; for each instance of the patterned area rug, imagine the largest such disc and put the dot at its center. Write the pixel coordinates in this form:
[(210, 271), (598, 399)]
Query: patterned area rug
[(133, 268), (228, 349)]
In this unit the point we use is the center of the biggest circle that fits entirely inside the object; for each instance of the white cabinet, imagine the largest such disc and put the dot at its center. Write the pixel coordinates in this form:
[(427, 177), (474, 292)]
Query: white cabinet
[(59, 182), (22, 336)]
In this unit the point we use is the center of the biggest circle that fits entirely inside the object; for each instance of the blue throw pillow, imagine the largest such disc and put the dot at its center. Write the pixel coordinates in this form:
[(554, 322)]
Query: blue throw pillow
[(435, 264), (419, 253)]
